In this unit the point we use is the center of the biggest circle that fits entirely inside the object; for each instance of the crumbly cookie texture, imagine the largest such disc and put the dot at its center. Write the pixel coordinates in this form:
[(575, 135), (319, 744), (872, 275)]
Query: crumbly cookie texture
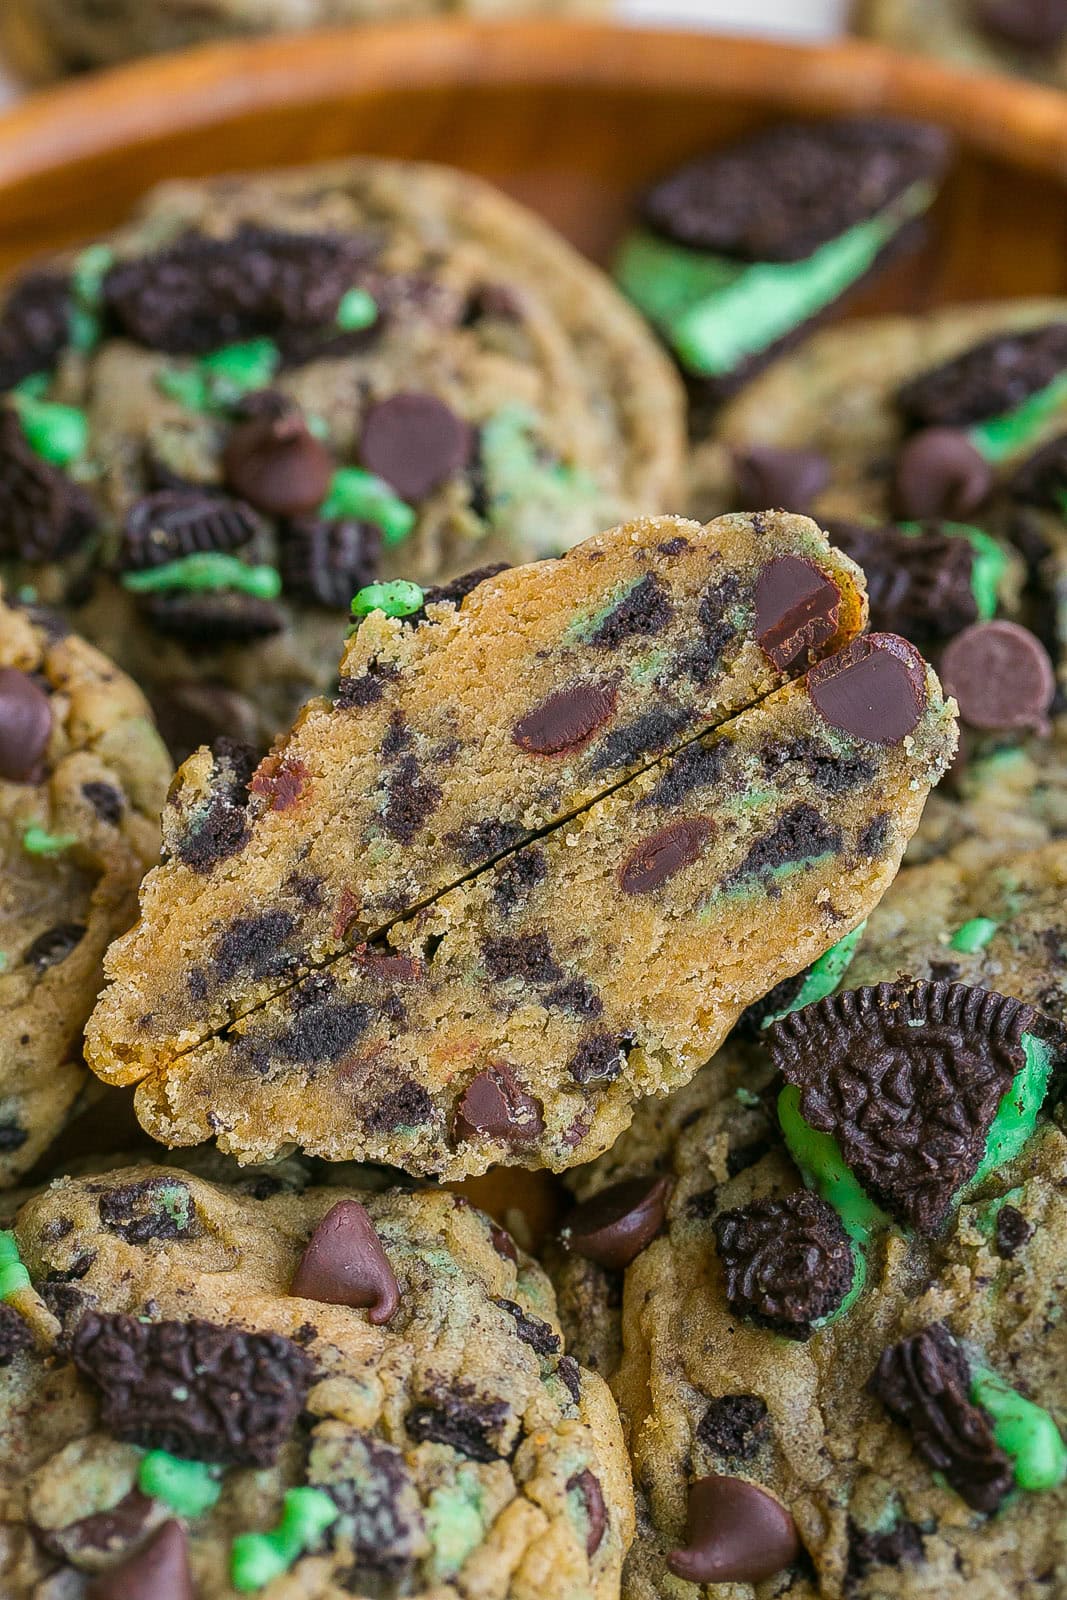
[(269, 391), (83, 775), (1024, 36), (331, 1393), (453, 741)]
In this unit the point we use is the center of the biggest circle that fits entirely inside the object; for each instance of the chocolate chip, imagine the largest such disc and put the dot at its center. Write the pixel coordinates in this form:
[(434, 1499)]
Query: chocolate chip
[(54, 946), (598, 1059), (159, 1570), (768, 477), (15, 1335), (503, 1243), (1027, 24), (277, 465), (663, 854), (874, 689), (986, 380), (736, 1533), (788, 1263), (326, 563), (1010, 1232), (1001, 675), (645, 611), (797, 609), (344, 1265), (34, 325), (734, 1425), (175, 523), (939, 473), (108, 802), (924, 1383), (619, 1222), (907, 1077), (12, 1134), (587, 1487), (415, 442), (25, 726), (495, 1106), (566, 720)]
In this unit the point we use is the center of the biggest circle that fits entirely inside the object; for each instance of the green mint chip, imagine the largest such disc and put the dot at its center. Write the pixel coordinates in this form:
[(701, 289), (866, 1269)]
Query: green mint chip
[(359, 494), (206, 573), (397, 599), (974, 935), (1023, 1430), (357, 310), (58, 434), (188, 1487), (258, 1558), (37, 841), (13, 1275)]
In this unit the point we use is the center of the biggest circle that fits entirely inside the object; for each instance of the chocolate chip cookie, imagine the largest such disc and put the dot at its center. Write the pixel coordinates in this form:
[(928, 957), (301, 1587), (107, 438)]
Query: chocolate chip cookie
[(331, 1392), (269, 392), (83, 775), (1024, 36)]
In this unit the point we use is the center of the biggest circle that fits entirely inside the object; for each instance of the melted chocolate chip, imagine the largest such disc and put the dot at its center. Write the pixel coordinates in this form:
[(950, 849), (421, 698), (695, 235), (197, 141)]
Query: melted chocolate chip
[(788, 1263), (159, 1570), (344, 1265), (939, 473), (566, 720), (619, 1222), (54, 946), (734, 1425), (278, 466), (874, 689), (659, 857), (645, 611), (587, 1487), (1001, 675), (25, 726), (416, 443), (503, 1243), (44, 514), (495, 1106), (767, 477), (736, 1533), (797, 610)]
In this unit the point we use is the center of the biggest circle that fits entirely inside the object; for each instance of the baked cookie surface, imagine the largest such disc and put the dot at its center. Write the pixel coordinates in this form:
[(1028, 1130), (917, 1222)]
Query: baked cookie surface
[(1024, 36)]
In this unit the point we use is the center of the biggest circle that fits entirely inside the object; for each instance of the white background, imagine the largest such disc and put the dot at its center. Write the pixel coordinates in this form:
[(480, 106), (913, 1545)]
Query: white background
[(800, 19)]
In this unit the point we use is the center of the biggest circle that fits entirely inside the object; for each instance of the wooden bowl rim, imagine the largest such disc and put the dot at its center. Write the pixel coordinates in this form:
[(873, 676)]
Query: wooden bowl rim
[(152, 100)]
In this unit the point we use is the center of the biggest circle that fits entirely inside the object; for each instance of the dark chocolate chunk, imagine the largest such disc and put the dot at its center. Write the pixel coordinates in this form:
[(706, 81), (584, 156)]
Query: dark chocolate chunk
[(1025, 24), (874, 689), (598, 1059), (411, 799), (901, 1545), (193, 1388), (734, 1425), (158, 1570), (768, 477), (736, 1533), (54, 946), (797, 610), (455, 1417), (1010, 1232), (34, 325), (788, 1263), (381, 1517), (643, 612), (528, 958), (211, 619), (616, 1224), (986, 380), (200, 293), (174, 523), (454, 593), (659, 857), (153, 1208), (15, 1335), (253, 944), (495, 1106), (779, 194), (533, 1331), (278, 466), (44, 514), (918, 585), (1042, 480), (566, 720), (481, 842), (939, 473), (220, 829), (344, 1265), (1001, 675), (907, 1077), (408, 1106), (326, 563), (415, 442), (800, 834), (924, 1383), (108, 802), (25, 726), (646, 735), (587, 1486), (516, 877)]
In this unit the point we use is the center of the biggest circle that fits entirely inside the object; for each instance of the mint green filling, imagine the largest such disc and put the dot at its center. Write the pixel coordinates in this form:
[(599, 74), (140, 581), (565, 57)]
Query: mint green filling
[(87, 284), (716, 312), (974, 935), (258, 1558), (188, 1487), (1023, 1430), (206, 573), (988, 568), (397, 599), (219, 380), (1018, 1111), (356, 493), (13, 1275), (824, 975), (37, 841), (997, 438), (357, 310), (58, 434)]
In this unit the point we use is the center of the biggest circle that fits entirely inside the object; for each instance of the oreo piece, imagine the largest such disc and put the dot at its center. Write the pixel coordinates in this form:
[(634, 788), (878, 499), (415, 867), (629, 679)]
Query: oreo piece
[(44, 514), (986, 380), (907, 1077), (788, 1263), (918, 586), (1002, 677), (455, 592), (874, 689), (781, 193), (173, 523), (54, 946), (924, 1383), (34, 325), (326, 563), (1042, 478), (220, 828), (210, 619), (734, 1425), (456, 1417)]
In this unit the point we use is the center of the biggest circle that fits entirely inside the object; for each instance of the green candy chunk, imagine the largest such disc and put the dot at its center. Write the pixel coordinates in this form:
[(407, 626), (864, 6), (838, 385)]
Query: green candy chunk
[(717, 313), (219, 380), (824, 975), (206, 573), (186, 385), (188, 1487), (258, 1558), (35, 387), (13, 1275), (58, 434), (357, 310), (973, 935), (1017, 1113), (1000, 437), (356, 493), (37, 841), (397, 599), (87, 286), (1023, 1430)]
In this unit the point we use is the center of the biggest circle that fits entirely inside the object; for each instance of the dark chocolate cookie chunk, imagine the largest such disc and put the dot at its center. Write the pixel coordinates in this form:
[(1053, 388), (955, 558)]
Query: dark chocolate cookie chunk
[(34, 325), (208, 618), (992, 377), (326, 563), (919, 586), (788, 1263), (907, 1078), (780, 194), (1041, 480), (173, 523), (44, 514)]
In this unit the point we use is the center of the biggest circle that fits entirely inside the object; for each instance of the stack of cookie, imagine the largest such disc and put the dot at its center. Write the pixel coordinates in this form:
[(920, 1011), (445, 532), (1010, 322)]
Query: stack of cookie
[(502, 844)]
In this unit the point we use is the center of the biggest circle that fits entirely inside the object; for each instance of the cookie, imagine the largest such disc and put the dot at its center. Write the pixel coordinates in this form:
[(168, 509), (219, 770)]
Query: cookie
[(83, 775), (740, 251), (334, 1392), (893, 1425), (1023, 36), (269, 392)]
